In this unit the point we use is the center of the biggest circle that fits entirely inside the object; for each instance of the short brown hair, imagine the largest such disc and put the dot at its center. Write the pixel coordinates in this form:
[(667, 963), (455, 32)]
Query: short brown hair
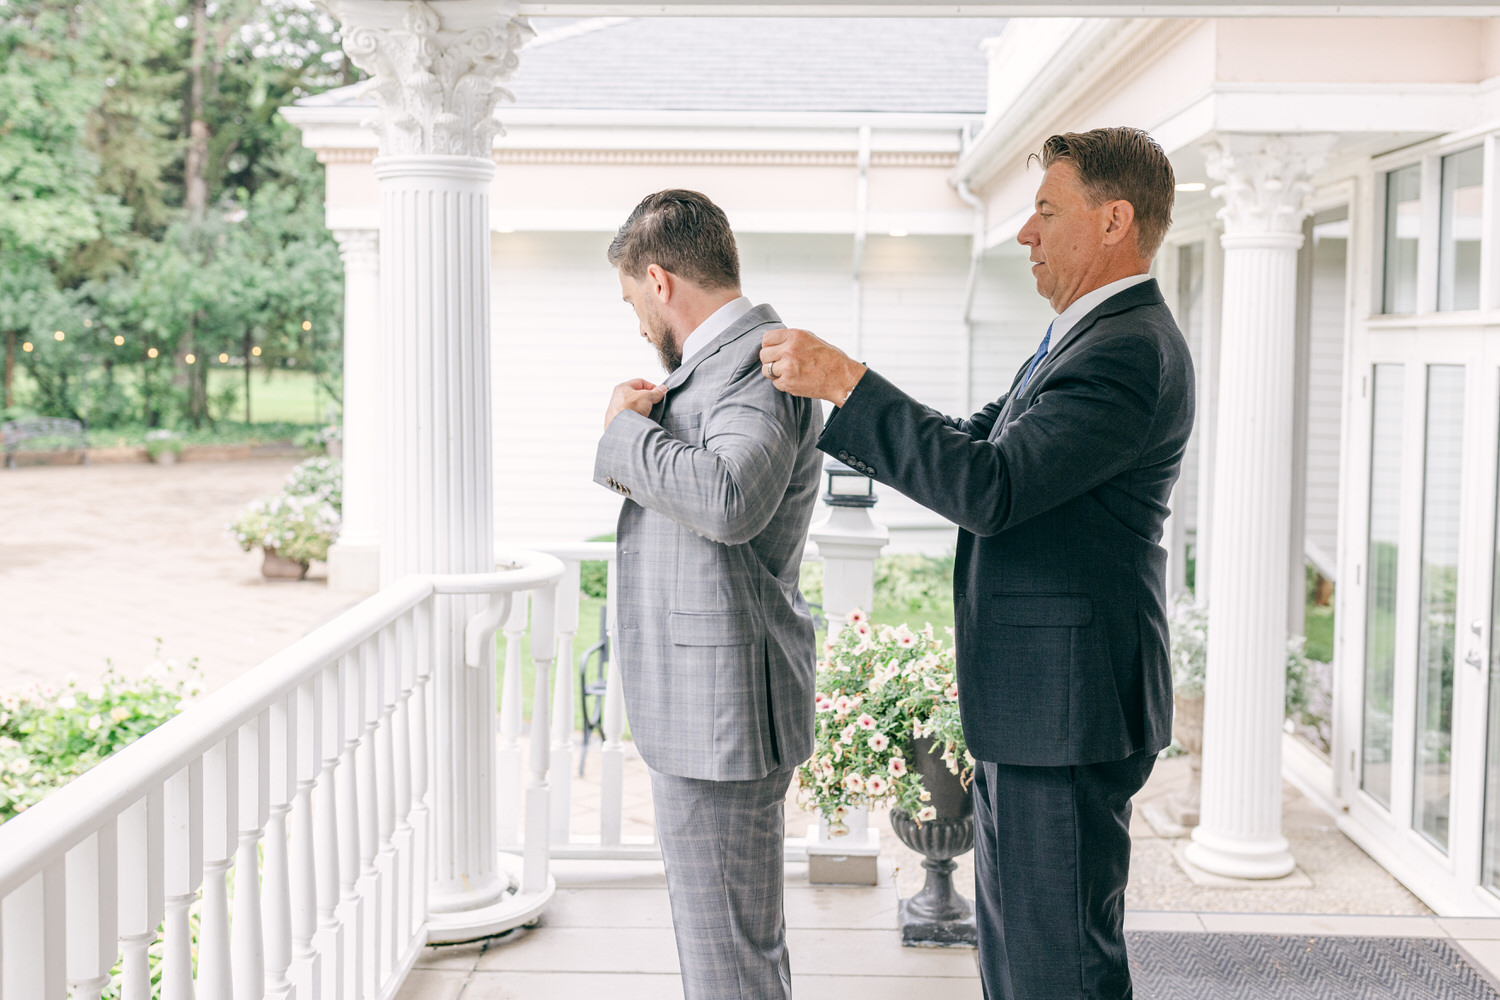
[(681, 232), (1121, 164)]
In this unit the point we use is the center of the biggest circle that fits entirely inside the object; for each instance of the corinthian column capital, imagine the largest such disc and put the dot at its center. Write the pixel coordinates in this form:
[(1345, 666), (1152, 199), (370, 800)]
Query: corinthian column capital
[(359, 248), (436, 69), (1265, 181)]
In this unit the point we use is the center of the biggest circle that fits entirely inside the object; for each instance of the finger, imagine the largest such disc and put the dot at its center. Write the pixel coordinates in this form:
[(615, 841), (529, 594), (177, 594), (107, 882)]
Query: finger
[(773, 337), (640, 383)]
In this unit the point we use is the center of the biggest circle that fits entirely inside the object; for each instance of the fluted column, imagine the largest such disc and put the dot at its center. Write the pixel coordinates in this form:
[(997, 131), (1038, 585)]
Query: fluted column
[(354, 561), (436, 73), (1265, 186)]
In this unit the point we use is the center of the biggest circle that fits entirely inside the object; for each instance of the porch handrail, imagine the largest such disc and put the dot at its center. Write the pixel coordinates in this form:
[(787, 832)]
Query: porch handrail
[(252, 767)]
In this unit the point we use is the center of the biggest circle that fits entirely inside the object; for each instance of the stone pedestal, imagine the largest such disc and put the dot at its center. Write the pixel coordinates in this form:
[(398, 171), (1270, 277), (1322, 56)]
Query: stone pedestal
[(1265, 185)]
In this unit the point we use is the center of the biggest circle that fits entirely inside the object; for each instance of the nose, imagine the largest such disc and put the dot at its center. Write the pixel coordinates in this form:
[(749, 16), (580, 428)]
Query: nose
[(1028, 236)]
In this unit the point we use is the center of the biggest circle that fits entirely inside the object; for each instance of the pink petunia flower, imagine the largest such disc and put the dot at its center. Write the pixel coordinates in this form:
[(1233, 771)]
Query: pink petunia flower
[(879, 742), (897, 766), (877, 785), (865, 722)]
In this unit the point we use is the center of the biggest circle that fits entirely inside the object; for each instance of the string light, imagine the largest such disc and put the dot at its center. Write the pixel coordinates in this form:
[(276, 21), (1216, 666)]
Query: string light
[(59, 335), (223, 359), (307, 324), (191, 359), (255, 350), (28, 347), (152, 353), (119, 340), (88, 322)]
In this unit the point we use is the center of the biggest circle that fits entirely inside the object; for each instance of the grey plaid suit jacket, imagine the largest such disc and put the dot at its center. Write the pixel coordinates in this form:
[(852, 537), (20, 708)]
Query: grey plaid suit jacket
[(714, 641)]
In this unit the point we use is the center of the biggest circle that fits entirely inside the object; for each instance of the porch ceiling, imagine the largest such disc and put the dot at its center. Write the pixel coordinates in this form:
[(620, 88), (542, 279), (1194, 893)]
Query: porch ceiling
[(1001, 8)]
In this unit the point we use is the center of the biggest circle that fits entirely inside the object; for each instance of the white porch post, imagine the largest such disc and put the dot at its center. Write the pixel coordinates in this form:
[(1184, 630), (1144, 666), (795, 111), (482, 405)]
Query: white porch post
[(436, 71), (1265, 185), (354, 561)]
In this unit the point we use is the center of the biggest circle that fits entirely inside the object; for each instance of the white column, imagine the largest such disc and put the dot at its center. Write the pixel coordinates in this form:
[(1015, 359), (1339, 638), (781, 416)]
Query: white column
[(1265, 186), (437, 79), (354, 561)]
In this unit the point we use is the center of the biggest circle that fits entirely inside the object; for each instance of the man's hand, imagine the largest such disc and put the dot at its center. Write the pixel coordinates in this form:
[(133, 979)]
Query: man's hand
[(637, 394), (803, 365)]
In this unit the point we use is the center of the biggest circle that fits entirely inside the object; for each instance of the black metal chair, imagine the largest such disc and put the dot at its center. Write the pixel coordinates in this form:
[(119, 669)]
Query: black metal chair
[(591, 693)]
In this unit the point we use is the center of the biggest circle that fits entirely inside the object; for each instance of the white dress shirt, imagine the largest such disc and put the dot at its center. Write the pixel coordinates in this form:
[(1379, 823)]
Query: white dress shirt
[(1069, 317), (721, 320)]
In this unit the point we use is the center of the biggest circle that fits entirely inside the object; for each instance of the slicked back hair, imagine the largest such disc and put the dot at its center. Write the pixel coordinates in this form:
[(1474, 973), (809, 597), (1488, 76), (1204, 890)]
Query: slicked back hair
[(681, 232), (1121, 164)]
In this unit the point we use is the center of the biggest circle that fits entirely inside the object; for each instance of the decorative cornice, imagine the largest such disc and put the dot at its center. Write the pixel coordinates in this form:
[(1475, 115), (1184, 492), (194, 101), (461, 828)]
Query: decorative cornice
[(1266, 181), (681, 157), (437, 84)]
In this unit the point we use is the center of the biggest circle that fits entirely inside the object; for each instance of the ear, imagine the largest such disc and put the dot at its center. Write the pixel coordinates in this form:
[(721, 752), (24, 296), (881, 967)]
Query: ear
[(659, 283), (1119, 222)]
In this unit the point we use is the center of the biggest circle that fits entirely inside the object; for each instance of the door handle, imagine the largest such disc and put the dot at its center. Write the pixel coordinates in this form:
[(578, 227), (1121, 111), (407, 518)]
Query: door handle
[(1476, 626), (1473, 659)]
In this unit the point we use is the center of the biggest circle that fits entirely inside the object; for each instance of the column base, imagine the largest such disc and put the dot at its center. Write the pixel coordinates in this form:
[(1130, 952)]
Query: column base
[(354, 569), (513, 909), (1232, 857)]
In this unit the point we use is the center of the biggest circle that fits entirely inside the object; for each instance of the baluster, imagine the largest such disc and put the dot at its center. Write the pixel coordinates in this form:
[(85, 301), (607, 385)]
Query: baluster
[(220, 834), (612, 752), (328, 842), (93, 912), (183, 841), (403, 670), (307, 760), (508, 759), (351, 903), (385, 781), (538, 790), (35, 932), (421, 658), (562, 705), (248, 947), (276, 903), (371, 893), (143, 877)]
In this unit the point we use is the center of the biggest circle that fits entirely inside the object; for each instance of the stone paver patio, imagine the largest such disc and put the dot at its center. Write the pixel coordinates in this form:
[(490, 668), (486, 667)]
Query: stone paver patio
[(98, 562)]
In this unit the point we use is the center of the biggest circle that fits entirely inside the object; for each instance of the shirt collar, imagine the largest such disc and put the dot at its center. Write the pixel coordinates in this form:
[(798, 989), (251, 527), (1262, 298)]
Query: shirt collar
[(1069, 317), (722, 319)]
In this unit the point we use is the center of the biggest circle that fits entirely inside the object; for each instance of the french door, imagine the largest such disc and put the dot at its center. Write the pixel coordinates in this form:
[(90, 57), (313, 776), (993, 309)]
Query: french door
[(1420, 674)]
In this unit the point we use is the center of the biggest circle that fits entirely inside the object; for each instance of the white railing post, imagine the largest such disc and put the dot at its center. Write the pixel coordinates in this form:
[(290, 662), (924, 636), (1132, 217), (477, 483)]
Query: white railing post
[(401, 680), (93, 913), (351, 900), (183, 875), (538, 787), (248, 950), (384, 707), (305, 972), (508, 757), (562, 703), (328, 839), (143, 875), (371, 886), (419, 643), (276, 889), (220, 834), (32, 939), (612, 752)]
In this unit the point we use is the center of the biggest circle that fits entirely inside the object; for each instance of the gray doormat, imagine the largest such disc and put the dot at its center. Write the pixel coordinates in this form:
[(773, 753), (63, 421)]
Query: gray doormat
[(1297, 967)]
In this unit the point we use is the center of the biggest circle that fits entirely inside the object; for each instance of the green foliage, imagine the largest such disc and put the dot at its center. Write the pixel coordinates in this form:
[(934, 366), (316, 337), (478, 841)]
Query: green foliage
[(225, 432), (907, 583), (301, 521), (880, 689), (48, 735)]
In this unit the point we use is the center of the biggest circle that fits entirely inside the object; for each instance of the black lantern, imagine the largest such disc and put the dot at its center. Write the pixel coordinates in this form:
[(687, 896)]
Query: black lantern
[(847, 487)]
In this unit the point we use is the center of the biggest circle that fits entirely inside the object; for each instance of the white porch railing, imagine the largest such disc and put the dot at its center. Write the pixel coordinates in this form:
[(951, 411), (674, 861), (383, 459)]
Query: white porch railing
[(298, 796)]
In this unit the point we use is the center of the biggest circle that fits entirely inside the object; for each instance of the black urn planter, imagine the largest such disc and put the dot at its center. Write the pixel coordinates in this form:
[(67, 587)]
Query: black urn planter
[(938, 916)]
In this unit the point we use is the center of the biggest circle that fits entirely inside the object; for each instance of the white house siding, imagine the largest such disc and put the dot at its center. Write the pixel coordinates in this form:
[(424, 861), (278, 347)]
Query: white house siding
[(556, 307), (1010, 318), (1325, 392)]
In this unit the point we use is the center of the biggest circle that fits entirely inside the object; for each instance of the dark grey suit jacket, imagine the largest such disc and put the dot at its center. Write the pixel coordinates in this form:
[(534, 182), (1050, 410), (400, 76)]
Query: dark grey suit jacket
[(1060, 491)]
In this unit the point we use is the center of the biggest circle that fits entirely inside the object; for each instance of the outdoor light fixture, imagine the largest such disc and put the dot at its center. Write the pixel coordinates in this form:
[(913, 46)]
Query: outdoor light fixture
[(59, 335), (307, 324), (191, 359), (151, 353), (1191, 186), (898, 232), (846, 487), (119, 340), (255, 350), (223, 359), (28, 347)]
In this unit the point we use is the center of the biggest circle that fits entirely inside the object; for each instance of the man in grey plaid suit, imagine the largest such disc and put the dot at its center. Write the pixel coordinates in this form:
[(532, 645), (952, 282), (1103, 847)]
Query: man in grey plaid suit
[(714, 641)]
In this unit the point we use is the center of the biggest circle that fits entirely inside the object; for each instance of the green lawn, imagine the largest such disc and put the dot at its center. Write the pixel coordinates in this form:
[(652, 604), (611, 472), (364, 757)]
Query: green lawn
[(276, 394)]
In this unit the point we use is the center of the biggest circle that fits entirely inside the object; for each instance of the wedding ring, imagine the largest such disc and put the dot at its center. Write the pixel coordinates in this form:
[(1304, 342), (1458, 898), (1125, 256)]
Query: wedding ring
[(767, 370)]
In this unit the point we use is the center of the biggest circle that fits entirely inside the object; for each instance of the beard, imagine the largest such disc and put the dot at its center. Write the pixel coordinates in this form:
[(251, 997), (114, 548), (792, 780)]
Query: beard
[(664, 339)]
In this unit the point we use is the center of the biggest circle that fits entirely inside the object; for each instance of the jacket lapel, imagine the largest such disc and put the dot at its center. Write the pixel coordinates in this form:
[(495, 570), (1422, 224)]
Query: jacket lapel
[(757, 316)]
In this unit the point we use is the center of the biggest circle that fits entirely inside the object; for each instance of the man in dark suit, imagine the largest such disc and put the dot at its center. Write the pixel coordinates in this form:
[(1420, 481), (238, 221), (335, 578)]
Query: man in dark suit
[(1060, 490)]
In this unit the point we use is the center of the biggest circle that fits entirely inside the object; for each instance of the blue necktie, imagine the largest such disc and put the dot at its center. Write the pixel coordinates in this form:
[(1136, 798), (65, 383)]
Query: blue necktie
[(1041, 352)]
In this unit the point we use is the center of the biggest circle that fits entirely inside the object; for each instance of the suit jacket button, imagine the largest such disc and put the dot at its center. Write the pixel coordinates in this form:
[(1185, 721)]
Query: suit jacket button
[(871, 471), (843, 456)]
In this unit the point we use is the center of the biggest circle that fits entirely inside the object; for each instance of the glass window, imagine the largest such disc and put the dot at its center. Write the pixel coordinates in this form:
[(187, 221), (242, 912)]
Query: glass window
[(1460, 227), (1403, 221), (1436, 621), (1380, 594), (1491, 860)]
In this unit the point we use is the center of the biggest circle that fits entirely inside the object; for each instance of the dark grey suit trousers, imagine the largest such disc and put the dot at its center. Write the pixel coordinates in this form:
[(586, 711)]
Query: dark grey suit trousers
[(1051, 857)]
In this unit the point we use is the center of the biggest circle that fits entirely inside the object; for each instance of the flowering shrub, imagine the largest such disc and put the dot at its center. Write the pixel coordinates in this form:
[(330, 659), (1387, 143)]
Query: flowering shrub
[(50, 735), (880, 689), (301, 521)]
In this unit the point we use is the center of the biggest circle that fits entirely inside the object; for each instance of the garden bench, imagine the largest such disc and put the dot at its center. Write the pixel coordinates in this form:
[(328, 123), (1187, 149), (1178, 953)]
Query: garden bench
[(43, 434)]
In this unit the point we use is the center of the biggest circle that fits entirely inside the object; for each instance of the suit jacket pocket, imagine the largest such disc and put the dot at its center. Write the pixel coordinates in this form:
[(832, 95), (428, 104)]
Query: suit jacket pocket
[(1040, 610), (683, 426), (710, 628)]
